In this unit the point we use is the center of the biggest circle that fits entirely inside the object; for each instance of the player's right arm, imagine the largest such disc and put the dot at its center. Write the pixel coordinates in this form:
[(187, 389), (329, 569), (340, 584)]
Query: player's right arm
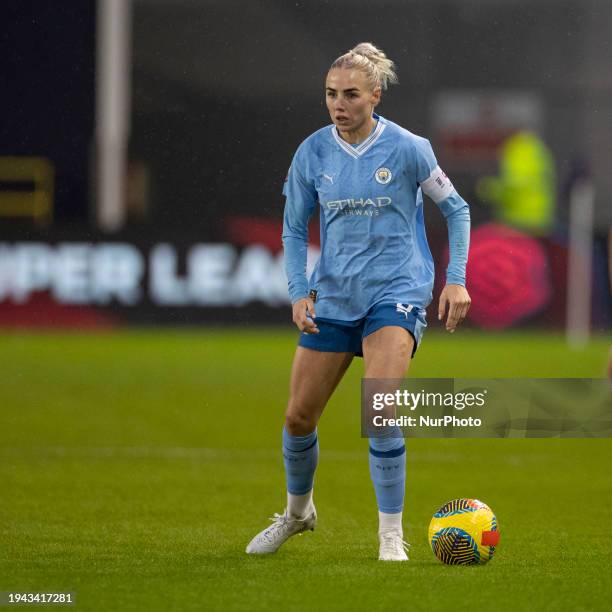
[(300, 202), (304, 315)]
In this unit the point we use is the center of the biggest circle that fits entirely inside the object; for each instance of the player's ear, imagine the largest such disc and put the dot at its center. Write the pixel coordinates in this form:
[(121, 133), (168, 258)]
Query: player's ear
[(376, 95)]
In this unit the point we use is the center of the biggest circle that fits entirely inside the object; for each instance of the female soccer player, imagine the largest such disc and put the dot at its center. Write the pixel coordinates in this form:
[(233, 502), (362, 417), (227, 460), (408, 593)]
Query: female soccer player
[(372, 282)]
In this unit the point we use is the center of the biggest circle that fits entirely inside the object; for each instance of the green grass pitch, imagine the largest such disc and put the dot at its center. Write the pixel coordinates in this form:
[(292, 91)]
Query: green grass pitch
[(135, 466)]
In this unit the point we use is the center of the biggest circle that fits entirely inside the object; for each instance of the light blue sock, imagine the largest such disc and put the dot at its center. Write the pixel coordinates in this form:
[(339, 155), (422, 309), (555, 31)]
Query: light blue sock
[(301, 455), (388, 471)]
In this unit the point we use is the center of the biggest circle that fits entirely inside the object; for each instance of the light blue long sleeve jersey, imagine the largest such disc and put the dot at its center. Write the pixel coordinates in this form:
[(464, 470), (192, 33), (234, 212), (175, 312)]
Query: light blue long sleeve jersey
[(373, 244)]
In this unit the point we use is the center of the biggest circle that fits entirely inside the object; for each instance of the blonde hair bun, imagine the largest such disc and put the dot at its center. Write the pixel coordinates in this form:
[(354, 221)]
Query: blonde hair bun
[(368, 58)]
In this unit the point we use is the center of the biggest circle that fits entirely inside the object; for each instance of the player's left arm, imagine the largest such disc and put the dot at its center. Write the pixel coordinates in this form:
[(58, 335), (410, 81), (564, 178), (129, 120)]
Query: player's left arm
[(454, 298)]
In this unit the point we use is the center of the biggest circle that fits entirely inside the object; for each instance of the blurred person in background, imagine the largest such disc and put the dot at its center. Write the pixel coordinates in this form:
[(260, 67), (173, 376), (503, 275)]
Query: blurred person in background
[(372, 282), (524, 193)]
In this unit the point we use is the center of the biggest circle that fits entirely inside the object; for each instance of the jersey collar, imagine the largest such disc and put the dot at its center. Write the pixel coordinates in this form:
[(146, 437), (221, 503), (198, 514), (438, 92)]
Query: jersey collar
[(359, 150)]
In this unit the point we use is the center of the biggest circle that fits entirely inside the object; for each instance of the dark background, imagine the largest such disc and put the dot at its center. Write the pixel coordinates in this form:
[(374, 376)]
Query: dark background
[(223, 92), (47, 94), (220, 109)]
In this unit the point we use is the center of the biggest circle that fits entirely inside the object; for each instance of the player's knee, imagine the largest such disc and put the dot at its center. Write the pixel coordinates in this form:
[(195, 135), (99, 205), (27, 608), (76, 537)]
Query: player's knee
[(404, 346), (299, 421)]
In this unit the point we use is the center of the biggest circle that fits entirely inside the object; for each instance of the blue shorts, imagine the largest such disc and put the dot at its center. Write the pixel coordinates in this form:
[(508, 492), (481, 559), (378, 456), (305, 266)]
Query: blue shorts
[(346, 336)]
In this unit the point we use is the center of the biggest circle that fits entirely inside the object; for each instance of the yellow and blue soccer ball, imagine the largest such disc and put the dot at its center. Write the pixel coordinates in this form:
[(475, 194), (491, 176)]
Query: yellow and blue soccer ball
[(464, 532)]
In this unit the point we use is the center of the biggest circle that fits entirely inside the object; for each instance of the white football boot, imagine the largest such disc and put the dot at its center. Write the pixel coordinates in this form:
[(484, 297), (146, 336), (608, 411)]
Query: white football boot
[(282, 528), (392, 546)]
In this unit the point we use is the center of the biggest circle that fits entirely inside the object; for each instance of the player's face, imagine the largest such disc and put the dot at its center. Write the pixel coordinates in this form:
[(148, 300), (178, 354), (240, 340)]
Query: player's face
[(349, 99)]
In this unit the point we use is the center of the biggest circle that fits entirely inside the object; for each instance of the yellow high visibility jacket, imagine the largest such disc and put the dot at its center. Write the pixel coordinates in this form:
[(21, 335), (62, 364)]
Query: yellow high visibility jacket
[(525, 190)]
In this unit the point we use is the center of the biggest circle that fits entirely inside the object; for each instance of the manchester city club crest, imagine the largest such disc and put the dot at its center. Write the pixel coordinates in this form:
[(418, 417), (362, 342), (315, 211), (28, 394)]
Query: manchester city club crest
[(383, 175)]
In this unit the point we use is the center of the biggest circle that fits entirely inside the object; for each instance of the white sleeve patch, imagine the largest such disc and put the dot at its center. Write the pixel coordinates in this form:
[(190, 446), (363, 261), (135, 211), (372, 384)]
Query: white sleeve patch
[(438, 186)]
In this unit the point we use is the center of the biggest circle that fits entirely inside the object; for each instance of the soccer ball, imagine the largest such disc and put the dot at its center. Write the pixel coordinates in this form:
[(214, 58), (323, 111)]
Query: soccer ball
[(464, 532)]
